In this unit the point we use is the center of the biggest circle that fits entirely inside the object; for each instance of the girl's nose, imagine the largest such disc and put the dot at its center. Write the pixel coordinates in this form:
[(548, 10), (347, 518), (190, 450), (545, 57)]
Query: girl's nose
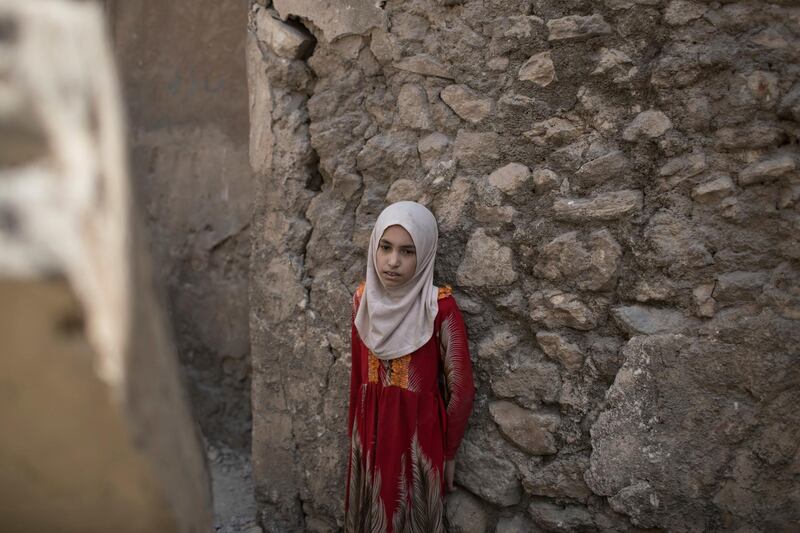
[(394, 259)]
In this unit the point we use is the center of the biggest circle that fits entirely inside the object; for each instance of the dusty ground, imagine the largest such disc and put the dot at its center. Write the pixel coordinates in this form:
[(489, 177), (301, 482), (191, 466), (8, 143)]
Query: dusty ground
[(232, 483)]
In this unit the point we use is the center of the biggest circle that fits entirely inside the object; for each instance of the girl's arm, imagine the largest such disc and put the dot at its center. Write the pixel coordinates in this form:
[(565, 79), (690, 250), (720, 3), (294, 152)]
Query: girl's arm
[(355, 364), (457, 373)]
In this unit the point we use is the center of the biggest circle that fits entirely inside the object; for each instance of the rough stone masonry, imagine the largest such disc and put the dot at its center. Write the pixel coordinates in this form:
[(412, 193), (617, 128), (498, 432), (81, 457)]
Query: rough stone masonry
[(617, 184)]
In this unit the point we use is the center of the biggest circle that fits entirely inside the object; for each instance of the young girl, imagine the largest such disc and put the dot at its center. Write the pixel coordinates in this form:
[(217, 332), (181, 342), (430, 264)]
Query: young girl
[(411, 388)]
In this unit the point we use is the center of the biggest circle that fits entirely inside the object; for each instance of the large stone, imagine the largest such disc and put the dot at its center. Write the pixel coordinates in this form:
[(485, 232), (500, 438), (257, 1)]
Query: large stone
[(539, 69), (678, 169), (680, 12), (577, 27), (498, 64), (557, 309), (425, 65), (560, 478), (466, 103), (789, 107), (383, 46), (100, 434), (768, 169), (386, 153), (641, 320), (409, 26), (335, 19), (283, 39), (608, 59), (553, 131), (529, 383), (554, 517), (545, 180), (510, 177), (750, 136), (763, 88), (402, 190), (627, 4), (704, 302), (488, 475), (465, 513), (515, 524), (590, 263), (557, 347), (653, 406), (608, 166), (486, 262), (739, 286), (476, 150), (649, 124), (492, 350), (533, 432), (604, 206), (713, 190), (412, 106), (449, 208), (432, 149), (674, 242)]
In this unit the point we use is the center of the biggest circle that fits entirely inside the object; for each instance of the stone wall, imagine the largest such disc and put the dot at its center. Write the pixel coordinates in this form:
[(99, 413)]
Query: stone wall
[(617, 188), (183, 72)]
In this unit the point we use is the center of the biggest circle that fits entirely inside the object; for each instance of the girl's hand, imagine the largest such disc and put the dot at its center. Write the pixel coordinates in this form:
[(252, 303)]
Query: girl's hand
[(449, 475)]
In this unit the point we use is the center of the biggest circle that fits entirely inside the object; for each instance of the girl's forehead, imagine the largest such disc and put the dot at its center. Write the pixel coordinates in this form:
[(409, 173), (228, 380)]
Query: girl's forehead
[(397, 234)]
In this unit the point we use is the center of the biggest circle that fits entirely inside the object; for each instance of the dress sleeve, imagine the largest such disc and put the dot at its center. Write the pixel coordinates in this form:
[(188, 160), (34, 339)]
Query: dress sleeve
[(457, 369), (355, 365)]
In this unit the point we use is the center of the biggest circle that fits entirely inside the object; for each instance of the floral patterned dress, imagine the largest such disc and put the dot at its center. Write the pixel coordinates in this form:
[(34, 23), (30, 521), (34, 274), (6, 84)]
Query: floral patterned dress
[(407, 416)]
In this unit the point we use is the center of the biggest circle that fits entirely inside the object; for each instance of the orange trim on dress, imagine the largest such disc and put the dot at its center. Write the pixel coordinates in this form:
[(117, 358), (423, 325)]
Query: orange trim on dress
[(400, 371), (373, 363), (444, 292), (397, 368)]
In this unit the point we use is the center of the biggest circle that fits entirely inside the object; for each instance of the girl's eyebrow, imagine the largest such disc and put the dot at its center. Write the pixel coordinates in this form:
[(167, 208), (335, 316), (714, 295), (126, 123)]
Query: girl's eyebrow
[(405, 246)]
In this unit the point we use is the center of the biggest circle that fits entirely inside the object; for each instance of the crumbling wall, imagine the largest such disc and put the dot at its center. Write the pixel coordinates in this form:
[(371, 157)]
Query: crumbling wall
[(617, 188), (98, 433), (183, 72)]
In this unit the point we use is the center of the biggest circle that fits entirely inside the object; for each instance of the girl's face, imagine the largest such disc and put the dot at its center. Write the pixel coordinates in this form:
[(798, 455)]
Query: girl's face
[(396, 257)]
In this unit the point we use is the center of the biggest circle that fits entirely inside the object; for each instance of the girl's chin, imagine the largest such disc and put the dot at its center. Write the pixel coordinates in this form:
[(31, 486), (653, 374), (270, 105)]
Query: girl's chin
[(391, 281)]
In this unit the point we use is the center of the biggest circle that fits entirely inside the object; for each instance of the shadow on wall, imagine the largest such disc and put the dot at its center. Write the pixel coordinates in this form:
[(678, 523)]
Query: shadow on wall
[(183, 72)]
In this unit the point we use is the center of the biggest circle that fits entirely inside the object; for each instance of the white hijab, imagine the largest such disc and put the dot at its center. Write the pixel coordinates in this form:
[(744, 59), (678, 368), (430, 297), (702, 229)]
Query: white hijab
[(394, 322)]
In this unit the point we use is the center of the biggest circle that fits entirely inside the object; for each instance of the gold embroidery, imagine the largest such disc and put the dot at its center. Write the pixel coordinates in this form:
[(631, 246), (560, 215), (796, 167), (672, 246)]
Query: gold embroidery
[(400, 371), (444, 292), (395, 372), (373, 363)]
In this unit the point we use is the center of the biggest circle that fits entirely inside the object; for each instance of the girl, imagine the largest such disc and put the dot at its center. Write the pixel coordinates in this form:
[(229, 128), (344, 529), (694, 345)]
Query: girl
[(411, 388)]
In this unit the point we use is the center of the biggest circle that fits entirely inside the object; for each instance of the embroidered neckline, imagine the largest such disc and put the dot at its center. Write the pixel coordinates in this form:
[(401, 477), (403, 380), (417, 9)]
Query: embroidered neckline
[(444, 292)]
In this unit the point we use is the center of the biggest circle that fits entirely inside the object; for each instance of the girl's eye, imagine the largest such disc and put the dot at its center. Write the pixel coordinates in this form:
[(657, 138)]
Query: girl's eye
[(409, 252), (384, 247)]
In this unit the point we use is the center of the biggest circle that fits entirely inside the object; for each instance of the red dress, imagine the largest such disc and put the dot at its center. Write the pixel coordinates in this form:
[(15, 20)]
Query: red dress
[(407, 416)]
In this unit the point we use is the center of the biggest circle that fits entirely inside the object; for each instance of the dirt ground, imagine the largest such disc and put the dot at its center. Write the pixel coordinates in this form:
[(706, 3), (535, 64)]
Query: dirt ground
[(232, 485)]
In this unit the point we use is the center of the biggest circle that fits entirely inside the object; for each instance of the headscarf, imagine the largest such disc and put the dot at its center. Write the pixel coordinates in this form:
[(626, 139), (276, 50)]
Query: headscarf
[(396, 321)]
